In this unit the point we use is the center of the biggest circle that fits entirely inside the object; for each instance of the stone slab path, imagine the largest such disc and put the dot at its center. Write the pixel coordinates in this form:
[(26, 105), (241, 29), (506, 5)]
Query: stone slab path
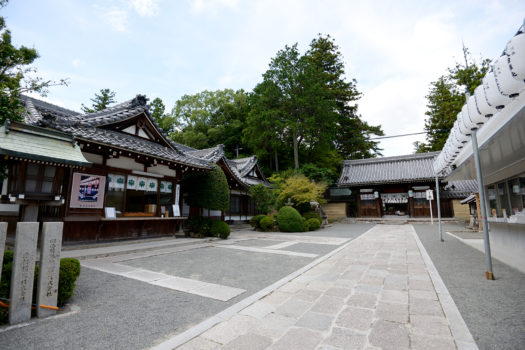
[(380, 292)]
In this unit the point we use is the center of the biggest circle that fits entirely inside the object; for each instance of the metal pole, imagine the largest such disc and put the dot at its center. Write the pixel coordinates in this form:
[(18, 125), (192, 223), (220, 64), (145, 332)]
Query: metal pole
[(488, 259), (439, 210), (431, 216)]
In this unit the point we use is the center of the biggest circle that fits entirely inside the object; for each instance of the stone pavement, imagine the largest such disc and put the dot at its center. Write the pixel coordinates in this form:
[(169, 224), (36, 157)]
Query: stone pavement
[(381, 291)]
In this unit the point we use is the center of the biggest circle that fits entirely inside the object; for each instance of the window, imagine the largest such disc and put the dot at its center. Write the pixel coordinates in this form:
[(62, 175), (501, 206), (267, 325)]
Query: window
[(503, 199), (492, 201), (517, 193), (36, 178)]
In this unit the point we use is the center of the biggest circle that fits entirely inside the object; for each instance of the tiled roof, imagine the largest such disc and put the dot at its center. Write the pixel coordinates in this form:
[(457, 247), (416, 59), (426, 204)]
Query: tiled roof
[(245, 165), (212, 154), (85, 127), (460, 189), (36, 109), (398, 169), (116, 113)]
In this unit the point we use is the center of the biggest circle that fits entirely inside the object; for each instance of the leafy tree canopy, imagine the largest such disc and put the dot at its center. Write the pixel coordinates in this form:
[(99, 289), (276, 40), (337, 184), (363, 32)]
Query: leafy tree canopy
[(157, 112), (301, 190), (209, 118), (101, 101), (446, 98), (17, 75), (263, 197), (305, 106)]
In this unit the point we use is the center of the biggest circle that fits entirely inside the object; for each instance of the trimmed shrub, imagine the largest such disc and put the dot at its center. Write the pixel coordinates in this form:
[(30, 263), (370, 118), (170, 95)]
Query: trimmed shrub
[(69, 272), (220, 229), (255, 221), (289, 220), (306, 228), (313, 224), (312, 214), (266, 223), (200, 224)]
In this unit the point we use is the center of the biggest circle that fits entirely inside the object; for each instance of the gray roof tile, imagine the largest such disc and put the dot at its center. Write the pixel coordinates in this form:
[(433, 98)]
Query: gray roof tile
[(408, 168)]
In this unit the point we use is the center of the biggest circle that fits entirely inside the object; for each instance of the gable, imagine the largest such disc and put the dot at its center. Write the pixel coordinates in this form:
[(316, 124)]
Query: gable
[(139, 126)]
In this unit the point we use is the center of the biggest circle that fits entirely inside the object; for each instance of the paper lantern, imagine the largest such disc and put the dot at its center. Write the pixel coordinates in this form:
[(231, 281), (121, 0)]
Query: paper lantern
[(515, 52), (507, 84), (484, 107), (494, 96)]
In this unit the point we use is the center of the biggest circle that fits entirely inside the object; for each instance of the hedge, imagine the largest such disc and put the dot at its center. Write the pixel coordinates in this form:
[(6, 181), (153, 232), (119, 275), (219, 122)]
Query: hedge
[(220, 229), (289, 220), (255, 221), (266, 223), (313, 224)]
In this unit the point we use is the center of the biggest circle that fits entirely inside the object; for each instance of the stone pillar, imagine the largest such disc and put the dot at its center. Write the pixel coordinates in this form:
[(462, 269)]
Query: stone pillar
[(23, 272), (29, 213), (50, 246), (3, 234)]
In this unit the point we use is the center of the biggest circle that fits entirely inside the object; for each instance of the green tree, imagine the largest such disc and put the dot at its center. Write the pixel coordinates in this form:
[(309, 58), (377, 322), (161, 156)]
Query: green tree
[(207, 190), (100, 101), (209, 118), (14, 75), (446, 98), (157, 112), (301, 190), (305, 103), (263, 197)]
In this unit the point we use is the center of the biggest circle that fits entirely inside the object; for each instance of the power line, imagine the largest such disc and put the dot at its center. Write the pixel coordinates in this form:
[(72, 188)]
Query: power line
[(411, 134)]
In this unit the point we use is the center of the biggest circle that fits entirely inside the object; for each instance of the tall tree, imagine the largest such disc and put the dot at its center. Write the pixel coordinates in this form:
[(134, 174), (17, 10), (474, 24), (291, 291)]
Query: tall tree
[(446, 98), (14, 70), (100, 101), (312, 107)]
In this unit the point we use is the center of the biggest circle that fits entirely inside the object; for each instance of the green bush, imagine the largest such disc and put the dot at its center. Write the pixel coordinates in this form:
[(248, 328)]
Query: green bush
[(289, 220), (69, 272), (312, 214), (200, 224), (306, 228), (313, 224), (220, 229), (266, 223), (255, 221)]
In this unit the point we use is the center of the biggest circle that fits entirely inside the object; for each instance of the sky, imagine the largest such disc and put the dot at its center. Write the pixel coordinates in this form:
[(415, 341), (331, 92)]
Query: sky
[(166, 49)]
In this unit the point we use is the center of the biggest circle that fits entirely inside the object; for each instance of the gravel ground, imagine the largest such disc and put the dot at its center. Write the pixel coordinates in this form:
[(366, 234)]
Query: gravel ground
[(494, 311), (115, 313)]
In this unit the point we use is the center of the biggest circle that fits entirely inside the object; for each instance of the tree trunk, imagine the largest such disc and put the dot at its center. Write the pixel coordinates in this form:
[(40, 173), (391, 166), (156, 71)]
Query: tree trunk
[(276, 161), (295, 151)]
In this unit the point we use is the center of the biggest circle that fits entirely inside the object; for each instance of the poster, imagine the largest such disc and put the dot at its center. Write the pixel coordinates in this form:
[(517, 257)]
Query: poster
[(87, 191)]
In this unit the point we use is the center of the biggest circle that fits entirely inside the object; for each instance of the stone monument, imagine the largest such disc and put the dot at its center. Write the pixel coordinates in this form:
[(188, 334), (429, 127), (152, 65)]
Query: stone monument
[(23, 272), (50, 246)]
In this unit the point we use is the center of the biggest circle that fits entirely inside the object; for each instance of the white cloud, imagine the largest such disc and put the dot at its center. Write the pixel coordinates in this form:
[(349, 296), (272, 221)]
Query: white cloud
[(213, 5), (76, 62), (146, 8), (117, 18)]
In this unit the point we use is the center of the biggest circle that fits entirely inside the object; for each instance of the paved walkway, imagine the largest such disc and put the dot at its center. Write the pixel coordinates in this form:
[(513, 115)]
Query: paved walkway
[(379, 291)]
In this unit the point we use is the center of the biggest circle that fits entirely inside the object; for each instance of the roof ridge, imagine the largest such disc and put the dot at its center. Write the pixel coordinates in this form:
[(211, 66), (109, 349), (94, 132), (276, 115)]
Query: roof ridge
[(392, 158)]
